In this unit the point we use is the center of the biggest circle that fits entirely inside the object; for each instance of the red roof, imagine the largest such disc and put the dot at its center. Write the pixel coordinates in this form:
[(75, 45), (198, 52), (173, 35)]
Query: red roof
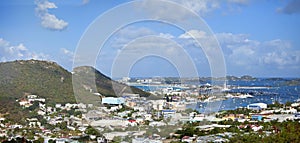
[(131, 121)]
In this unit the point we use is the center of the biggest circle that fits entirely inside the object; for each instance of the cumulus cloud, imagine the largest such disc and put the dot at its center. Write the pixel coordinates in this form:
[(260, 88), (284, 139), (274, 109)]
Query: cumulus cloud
[(166, 35), (197, 34), (173, 11), (10, 52), (242, 52), (200, 6), (292, 7), (127, 34), (203, 7), (49, 21), (243, 55)]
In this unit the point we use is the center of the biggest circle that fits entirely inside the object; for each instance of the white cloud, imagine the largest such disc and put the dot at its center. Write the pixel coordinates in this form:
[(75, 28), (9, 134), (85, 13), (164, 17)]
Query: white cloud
[(48, 20), (196, 34), (166, 35), (200, 6), (127, 34), (9, 52), (277, 53), (51, 22), (44, 5), (242, 52), (158, 9)]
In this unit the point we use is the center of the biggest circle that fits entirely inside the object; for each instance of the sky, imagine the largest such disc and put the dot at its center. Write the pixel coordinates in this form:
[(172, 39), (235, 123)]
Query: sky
[(260, 38)]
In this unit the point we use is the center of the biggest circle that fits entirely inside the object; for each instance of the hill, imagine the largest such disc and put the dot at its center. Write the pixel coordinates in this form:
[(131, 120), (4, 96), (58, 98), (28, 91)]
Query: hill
[(52, 82), (43, 78), (85, 78)]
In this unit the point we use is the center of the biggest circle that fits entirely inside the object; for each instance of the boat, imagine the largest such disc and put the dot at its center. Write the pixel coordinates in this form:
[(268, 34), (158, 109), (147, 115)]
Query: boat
[(245, 96), (229, 95)]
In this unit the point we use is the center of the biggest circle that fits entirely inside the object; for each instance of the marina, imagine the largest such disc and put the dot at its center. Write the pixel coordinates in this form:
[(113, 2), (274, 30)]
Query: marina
[(235, 94)]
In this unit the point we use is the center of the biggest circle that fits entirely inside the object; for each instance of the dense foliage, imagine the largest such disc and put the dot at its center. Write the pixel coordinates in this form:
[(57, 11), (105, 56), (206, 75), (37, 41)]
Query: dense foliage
[(287, 132)]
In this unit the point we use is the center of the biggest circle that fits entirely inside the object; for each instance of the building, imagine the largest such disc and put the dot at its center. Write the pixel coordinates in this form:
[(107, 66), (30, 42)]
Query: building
[(297, 116), (168, 113), (257, 106), (113, 100), (256, 117)]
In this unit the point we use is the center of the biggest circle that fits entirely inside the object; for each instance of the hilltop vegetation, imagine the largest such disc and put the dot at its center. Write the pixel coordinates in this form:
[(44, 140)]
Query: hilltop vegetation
[(43, 78)]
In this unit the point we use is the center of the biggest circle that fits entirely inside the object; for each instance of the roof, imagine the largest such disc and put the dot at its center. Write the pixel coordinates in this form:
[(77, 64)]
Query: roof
[(113, 100), (261, 105), (168, 110), (257, 104)]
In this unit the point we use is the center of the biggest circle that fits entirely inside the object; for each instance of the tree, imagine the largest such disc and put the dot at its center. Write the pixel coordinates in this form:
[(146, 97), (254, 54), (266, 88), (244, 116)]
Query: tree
[(34, 106), (63, 125), (91, 131), (288, 103)]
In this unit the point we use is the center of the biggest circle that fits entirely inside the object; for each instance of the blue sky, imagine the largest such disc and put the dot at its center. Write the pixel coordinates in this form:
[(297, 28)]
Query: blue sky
[(257, 37)]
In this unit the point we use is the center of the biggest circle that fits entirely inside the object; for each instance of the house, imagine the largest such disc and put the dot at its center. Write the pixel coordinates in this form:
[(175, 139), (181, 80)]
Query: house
[(132, 122), (109, 136), (168, 113), (61, 140), (289, 111), (101, 140), (211, 127), (197, 118), (33, 122), (297, 116), (2, 119), (295, 104), (16, 126), (25, 103), (41, 112), (155, 123), (131, 104), (187, 139), (32, 96), (147, 117), (256, 128), (157, 104), (58, 106)]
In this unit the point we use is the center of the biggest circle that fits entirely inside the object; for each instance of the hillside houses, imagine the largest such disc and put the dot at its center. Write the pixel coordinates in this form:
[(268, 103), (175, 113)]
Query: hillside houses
[(146, 120)]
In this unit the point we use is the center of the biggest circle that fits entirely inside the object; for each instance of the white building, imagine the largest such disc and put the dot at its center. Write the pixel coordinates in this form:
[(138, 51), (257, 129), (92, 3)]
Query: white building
[(113, 100), (257, 106)]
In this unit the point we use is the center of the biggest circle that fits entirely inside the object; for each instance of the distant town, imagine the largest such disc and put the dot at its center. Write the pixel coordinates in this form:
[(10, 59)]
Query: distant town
[(132, 118)]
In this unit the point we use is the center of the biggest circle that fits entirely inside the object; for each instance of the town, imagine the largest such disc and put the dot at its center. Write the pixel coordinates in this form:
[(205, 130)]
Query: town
[(131, 118)]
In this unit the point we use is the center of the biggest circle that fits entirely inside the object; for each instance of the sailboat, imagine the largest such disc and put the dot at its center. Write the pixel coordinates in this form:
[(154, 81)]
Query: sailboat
[(225, 88)]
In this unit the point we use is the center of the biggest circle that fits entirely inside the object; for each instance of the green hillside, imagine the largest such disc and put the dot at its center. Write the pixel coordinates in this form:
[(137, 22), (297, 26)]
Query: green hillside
[(52, 82), (43, 78), (105, 85)]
